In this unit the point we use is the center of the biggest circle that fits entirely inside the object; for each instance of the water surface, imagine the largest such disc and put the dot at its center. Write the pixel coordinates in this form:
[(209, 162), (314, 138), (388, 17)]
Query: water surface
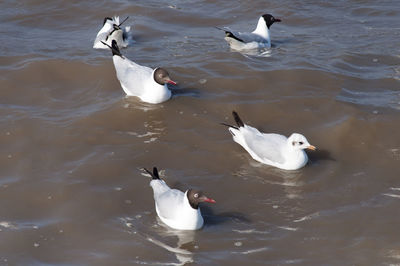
[(71, 192)]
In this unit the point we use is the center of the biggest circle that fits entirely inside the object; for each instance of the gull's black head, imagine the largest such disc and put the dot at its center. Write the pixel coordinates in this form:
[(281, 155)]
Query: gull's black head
[(195, 197), (105, 20), (269, 19), (161, 76)]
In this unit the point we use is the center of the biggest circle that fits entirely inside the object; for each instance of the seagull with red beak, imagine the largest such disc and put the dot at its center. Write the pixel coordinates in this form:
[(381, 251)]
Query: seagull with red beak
[(150, 85), (177, 209)]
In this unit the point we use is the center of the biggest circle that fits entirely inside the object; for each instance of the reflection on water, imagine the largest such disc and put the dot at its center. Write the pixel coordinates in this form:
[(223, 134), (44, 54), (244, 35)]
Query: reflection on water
[(183, 236), (132, 102), (291, 181), (160, 234), (264, 52)]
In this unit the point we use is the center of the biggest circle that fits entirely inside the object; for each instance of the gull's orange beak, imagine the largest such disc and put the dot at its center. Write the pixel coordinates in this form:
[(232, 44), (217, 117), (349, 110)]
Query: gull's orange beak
[(311, 147)]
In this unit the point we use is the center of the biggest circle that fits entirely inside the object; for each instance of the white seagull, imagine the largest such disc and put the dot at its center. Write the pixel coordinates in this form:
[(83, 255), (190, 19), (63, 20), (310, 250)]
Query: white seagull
[(150, 85), (112, 30), (272, 149), (176, 209), (259, 38)]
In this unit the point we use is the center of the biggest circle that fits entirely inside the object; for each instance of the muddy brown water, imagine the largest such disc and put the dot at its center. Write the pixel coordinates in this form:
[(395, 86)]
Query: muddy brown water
[(71, 192)]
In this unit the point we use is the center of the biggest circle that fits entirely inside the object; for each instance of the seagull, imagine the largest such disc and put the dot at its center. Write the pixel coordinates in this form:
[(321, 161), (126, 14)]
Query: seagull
[(112, 30), (259, 38), (150, 85), (177, 209), (272, 149)]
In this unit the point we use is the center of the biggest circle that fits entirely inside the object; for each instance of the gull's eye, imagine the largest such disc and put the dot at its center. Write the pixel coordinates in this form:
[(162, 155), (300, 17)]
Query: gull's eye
[(301, 143), (196, 195)]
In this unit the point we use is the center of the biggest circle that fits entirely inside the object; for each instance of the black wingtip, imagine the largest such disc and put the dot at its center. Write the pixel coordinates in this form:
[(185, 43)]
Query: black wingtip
[(230, 35), (227, 125), (115, 28), (123, 21), (239, 121), (105, 20), (154, 175), (114, 48)]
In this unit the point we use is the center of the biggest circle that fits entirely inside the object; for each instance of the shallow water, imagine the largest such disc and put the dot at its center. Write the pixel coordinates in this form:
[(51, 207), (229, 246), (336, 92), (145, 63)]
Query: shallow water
[(71, 192)]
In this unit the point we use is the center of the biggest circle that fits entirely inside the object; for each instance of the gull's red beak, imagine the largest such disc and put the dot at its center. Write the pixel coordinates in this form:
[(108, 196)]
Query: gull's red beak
[(277, 20), (171, 82), (209, 200)]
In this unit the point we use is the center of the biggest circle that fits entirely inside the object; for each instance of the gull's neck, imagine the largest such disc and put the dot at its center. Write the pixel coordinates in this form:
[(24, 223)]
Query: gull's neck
[(262, 29)]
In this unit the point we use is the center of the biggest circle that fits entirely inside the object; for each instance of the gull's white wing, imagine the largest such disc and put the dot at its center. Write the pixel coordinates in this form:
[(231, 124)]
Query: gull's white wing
[(133, 77), (265, 146), (250, 37), (101, 36), (169, 203), (245, 36)]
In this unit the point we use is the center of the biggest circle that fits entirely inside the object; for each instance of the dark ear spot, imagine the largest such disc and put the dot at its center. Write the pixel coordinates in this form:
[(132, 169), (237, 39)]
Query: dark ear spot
[(105, 20), (293, 143)]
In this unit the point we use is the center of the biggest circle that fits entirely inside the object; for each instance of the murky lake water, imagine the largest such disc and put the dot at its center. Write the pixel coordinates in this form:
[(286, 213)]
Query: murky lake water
[(72, 143)]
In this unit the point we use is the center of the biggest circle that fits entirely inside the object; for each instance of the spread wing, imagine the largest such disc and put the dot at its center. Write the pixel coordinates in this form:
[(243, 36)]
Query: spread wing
[(168, 203), (265, 146)]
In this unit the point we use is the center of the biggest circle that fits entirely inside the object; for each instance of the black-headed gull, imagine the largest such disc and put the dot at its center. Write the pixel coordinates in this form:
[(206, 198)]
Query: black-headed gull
[(259, 38), (150, 85), (177, 209), (112, 30), (272, 149)]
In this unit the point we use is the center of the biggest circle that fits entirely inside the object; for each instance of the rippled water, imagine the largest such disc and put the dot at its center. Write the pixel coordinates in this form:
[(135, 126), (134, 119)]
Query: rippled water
[(71, 192)]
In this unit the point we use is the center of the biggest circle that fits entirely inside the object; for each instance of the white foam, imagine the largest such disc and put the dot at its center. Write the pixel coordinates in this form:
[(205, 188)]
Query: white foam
[(250, 251), (287, 228), (7, 225), (250, 231), (391, 195), (307, 217)]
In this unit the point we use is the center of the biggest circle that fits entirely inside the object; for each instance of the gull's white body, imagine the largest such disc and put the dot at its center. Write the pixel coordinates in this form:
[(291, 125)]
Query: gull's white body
[(272, 149), (118, 35), (173, 208), (137, 80), (259, 38)]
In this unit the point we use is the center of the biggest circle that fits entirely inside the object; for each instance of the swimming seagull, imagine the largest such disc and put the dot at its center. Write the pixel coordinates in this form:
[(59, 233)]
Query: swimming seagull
[(272, 149), (141, 81), (112, 30), (177, 209), (259, 38)]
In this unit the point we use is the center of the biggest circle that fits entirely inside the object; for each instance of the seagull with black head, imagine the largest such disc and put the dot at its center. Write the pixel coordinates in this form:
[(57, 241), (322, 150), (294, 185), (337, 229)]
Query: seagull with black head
[(150, 85), (258, 38), (177, 209)]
